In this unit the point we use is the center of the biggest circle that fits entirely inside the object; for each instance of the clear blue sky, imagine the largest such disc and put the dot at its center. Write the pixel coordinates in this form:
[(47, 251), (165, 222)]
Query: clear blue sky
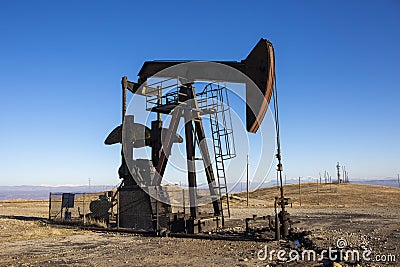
[(338, 71)]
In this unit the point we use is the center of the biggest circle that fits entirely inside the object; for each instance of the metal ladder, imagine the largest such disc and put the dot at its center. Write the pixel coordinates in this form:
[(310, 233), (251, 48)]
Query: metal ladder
[(219, 164), (220, 136)]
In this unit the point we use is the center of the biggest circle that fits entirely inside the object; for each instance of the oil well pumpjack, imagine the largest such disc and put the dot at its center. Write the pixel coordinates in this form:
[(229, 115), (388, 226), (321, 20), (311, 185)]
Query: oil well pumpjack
[(143, 203)]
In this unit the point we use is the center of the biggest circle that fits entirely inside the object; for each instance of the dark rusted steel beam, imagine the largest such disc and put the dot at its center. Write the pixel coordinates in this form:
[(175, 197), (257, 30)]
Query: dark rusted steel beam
[(190, 158), (166, 149)]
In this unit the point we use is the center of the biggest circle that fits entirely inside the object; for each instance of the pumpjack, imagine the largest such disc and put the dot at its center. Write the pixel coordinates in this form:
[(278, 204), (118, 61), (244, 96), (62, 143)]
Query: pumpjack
[(143, 202)]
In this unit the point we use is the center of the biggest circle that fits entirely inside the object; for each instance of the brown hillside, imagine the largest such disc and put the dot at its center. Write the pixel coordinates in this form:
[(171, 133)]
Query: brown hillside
[(343, 195)]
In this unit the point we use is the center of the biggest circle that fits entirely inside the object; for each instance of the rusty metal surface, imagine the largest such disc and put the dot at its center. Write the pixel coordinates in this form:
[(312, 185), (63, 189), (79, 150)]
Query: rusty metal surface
[(115, 136), (167, 146), (259, 66), (191, 167)]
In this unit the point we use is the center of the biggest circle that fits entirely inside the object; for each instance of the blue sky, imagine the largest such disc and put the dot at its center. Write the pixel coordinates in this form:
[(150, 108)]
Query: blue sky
[(337, 64)]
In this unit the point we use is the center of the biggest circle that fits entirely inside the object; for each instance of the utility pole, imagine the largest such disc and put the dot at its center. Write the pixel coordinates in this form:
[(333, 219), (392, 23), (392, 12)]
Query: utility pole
[(89, 183), (299, 191), (320, 179), (247, 180), (317, 193), (344, 174), (338, 173), (398, 179)]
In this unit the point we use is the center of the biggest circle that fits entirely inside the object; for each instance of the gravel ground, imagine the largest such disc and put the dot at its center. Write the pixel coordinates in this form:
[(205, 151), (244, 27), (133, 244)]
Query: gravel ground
[(373, 226)]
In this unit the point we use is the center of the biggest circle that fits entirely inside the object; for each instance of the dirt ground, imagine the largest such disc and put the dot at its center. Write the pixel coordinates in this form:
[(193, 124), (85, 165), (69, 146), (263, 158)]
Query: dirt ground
[(368, 219)]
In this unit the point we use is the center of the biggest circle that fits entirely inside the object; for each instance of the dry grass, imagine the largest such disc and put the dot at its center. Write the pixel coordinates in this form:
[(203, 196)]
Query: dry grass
[(20, 230), (28, 226), (35, 208), (96, 223)]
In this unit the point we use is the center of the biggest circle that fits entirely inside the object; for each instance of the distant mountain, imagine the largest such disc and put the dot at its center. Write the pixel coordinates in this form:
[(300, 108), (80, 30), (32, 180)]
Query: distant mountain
[(28, 192), (384, 182)]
